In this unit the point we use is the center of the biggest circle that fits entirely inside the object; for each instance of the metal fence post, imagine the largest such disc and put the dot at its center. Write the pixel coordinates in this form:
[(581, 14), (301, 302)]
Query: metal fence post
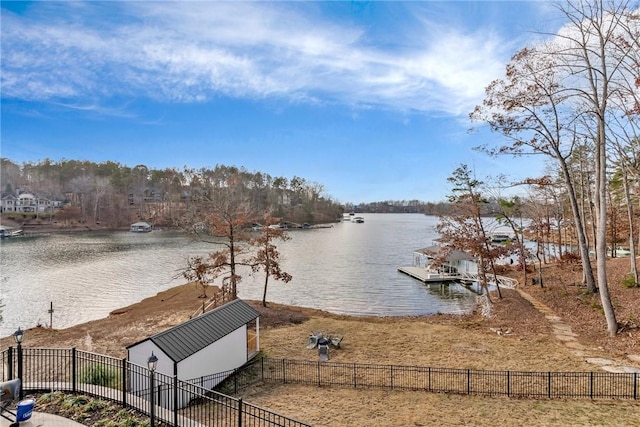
[(175, 400), (124, 383), (355, 379), (10, 361), (549, 385), (262, 367), (284, 372), (391, 379), (591, 385), (240, 409), (468, 381), (318, 362), (20, 373), (74, 369), (235, 381), (635, 385), (508, 383)]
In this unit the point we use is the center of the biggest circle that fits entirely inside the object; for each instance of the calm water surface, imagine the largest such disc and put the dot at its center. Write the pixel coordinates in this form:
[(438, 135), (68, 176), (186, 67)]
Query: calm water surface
[(347, 269)]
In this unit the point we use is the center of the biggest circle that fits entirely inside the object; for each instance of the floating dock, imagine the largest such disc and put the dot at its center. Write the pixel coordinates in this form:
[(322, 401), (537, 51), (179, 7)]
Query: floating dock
[(426, 276)]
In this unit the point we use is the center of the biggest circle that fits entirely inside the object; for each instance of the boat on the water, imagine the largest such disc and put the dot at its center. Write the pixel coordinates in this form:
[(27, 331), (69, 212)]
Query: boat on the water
[(501, 237), (6, 232), (141, 227), (358, 219)]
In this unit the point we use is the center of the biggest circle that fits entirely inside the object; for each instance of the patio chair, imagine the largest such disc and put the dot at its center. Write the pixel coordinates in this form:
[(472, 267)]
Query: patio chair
[(313, 340), (335, 341), (9, 393), (323, 350)]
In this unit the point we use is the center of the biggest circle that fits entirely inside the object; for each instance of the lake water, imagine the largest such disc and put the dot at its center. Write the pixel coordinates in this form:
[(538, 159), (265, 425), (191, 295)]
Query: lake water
[(349, 268)]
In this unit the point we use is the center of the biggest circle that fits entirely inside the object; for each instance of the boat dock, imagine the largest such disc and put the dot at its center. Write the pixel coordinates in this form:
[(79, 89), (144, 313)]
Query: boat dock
[(426, 276)]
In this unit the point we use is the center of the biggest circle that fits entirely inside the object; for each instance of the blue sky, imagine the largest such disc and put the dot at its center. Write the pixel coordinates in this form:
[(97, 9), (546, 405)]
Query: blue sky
[(369, 99)]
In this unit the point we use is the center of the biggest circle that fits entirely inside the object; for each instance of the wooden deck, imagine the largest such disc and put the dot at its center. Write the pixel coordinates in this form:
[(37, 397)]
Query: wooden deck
[(427, 276)]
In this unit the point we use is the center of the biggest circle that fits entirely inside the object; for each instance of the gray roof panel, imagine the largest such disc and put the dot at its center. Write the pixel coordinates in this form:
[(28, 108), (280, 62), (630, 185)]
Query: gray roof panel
[(453, 255), (185, 339)]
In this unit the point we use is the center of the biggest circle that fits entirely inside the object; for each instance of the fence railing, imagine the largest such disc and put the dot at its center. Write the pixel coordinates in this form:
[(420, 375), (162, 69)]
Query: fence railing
[(216, 300), (591, 385), (206, 401), (176, 402)]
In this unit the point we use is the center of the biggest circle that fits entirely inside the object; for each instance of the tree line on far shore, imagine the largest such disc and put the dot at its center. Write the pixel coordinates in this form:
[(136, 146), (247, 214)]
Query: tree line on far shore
[(116, 195)]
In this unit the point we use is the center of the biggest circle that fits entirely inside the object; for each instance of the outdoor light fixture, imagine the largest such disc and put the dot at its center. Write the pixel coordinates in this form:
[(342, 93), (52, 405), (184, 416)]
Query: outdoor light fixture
[(152, 362), (18, 336)]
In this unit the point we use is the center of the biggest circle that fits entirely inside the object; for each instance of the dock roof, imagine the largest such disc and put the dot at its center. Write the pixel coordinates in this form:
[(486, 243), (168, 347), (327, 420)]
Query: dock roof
[(453, 255)]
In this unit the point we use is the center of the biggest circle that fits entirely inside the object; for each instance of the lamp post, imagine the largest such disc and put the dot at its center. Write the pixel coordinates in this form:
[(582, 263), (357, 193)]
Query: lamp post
[(152, 362), (18, 336)]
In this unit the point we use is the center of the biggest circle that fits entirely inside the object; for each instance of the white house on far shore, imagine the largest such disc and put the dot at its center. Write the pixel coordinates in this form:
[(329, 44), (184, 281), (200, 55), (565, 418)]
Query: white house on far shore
[(220, 340), (26, 202)]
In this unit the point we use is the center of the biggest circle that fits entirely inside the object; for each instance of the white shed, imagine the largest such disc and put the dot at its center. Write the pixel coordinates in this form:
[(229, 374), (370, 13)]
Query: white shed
[(220, 340)]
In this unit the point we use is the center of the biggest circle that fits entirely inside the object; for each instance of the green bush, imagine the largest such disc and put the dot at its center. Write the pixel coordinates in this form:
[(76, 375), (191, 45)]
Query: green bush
[(629, 282), (101, 375)]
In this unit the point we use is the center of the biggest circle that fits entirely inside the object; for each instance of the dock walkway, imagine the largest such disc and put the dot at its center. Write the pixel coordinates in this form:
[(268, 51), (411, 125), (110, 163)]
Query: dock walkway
[(427, 276)]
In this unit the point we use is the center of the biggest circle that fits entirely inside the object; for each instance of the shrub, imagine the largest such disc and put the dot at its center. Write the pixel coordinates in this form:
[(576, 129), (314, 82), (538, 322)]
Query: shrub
[(629, 282), (101, 375)]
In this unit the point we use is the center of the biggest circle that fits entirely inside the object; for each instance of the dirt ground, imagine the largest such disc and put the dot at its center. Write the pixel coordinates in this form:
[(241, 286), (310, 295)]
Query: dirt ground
[(516, 337), (565, 295)]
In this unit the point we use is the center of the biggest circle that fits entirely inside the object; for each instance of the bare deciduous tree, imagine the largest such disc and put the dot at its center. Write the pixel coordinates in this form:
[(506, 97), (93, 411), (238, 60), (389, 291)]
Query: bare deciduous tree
[(267, 257)]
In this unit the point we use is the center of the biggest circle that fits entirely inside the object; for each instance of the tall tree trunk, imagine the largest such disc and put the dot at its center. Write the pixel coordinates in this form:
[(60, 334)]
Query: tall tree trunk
[(632, 249), (266, 282), (601, 236), (583, 246)]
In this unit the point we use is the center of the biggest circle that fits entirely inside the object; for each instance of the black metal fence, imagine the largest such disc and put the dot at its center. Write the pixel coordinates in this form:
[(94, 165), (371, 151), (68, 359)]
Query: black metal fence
[(175, 402), (590, 385), (194, 403)]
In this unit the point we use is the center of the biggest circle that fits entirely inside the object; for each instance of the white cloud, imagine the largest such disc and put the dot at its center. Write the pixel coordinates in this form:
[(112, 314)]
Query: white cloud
[(195, 51)]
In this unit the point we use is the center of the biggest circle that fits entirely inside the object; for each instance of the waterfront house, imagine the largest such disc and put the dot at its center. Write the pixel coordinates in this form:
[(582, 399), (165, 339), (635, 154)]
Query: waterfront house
[(220, 340), (26, 202), (9, 203)]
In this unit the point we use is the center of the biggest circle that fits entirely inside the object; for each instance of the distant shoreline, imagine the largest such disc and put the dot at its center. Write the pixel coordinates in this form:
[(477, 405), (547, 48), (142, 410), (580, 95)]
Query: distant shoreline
[(31, 228)]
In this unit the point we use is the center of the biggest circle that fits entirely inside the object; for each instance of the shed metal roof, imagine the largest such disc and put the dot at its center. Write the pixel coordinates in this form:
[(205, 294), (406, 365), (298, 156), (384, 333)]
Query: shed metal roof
[(185, 339)]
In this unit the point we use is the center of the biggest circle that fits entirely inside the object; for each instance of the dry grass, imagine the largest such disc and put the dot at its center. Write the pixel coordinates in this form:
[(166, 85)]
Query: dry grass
[(348, 407), (422, 342)]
